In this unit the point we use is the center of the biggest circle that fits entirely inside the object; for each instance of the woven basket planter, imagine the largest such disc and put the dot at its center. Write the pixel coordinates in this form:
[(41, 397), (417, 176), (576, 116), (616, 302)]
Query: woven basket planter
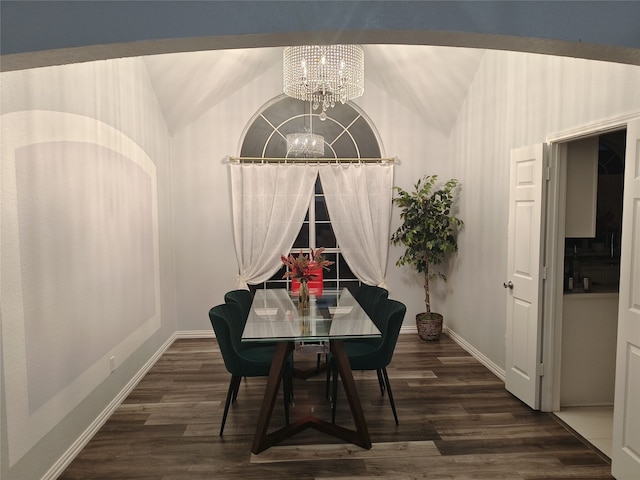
[(429, 326)]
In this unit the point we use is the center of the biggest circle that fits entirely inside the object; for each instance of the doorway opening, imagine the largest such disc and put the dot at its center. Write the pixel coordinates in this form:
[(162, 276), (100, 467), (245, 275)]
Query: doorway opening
[(588, 272)]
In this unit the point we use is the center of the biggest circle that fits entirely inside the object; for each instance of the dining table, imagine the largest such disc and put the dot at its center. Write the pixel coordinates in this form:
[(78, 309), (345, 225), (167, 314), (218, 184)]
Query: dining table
[(331, 317)]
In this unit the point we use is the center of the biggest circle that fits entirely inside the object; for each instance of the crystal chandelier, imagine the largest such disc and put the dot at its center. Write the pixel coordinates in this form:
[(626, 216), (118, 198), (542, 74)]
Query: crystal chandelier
[(323, 74), (306, 143)]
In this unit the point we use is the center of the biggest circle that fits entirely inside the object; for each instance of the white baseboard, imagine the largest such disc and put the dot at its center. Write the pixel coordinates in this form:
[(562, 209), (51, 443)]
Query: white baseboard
[(405, 329), (497, 371), (68, 456), (195, 334)]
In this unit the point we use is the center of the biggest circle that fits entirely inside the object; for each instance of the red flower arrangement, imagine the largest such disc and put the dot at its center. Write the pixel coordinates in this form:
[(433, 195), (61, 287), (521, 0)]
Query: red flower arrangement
[(304, 268)]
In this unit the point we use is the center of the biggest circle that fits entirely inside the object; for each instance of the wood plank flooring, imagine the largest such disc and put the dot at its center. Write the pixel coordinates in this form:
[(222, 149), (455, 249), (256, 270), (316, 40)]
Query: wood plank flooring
[(456, 422)]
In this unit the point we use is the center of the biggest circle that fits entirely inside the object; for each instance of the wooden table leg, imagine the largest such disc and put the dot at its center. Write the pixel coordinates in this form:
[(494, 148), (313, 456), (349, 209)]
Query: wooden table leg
[(270, 395), (359, 436), (344, 369)]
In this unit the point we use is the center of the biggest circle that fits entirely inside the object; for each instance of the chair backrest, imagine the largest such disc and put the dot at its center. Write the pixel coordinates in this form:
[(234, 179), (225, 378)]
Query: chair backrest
[(368, 297), (242, 300), (221, 321), (389, 315), (251, 362)]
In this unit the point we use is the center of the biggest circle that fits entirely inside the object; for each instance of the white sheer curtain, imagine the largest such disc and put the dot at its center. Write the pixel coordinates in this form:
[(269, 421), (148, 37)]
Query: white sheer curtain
[(358, 199), (269, 202)]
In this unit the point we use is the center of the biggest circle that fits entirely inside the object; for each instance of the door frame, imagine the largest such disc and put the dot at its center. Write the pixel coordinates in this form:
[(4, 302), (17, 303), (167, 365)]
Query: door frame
[(553, 252)]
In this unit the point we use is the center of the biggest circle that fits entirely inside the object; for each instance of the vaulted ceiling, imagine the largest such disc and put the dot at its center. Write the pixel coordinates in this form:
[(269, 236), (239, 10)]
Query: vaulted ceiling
[(432, 81)]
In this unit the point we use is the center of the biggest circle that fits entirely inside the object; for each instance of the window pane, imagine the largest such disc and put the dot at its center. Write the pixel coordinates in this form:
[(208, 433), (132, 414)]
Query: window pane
[(332, 272), (276, 284), (302, 241), (279, 274), (322, 215), (254, 139), (275, 147), (345, 271), (330, 285), (283, 110), (367, 142), (345, 146), (325, 236), (352, 285)]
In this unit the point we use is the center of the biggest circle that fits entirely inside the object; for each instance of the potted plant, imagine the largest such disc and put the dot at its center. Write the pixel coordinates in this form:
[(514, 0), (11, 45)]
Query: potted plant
[(428, 233)]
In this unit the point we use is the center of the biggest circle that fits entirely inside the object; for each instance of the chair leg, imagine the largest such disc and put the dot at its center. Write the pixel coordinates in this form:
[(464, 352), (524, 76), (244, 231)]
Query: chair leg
[(286, 387), (291, 394), (231, 393), (334, 394), (236, 389), (388, 385), (326, 392), (380, 381)]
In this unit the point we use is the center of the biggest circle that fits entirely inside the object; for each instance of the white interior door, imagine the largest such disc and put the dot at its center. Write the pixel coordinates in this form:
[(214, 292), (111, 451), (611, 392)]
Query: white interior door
[(523, 284), (626, 418)]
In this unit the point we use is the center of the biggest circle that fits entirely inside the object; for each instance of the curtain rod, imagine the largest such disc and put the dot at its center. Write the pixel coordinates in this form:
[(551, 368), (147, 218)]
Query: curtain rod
[(310, 160)]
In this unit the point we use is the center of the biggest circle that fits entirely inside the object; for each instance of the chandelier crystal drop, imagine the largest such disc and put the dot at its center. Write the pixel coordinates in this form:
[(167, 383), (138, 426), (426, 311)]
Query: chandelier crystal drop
[(323, 74)]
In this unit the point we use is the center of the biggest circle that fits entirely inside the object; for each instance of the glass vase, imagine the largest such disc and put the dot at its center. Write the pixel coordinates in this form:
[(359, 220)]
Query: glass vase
[(303, 298)]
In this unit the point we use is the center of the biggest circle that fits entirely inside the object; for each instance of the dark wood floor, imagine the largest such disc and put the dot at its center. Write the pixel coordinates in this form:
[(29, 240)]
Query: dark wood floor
[(456, 422)]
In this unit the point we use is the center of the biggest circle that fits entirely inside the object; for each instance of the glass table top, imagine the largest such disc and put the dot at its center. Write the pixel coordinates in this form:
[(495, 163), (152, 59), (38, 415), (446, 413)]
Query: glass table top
[(332, 315)]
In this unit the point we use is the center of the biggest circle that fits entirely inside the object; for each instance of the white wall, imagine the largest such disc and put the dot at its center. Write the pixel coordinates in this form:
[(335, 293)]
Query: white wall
[(205, 257), (516, 99), (86, 250), (206, 265)]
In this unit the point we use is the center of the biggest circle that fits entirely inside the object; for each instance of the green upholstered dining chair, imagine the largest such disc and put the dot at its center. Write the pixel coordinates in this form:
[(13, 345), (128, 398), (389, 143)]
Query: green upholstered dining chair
[(368, 297), (242, 299), (374, 354), (243, 360)]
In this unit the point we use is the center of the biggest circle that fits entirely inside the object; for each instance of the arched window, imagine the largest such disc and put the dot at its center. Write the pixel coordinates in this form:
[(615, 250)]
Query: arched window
[(347, 133)]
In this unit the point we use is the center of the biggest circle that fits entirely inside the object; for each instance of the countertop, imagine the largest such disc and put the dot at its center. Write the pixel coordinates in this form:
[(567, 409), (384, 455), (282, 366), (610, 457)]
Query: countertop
[(597, 290)]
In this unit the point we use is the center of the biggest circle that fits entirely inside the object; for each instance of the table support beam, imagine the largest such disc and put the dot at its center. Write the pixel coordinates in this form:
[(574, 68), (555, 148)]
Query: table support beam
[(263, 440)]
